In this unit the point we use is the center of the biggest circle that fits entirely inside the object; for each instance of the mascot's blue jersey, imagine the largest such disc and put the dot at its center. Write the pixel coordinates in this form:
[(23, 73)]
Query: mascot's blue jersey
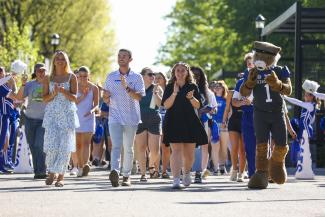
[(264, 98)]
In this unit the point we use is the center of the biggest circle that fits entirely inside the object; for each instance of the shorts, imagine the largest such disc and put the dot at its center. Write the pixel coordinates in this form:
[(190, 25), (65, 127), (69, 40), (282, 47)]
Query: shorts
[(234, 123), (150, 123), (267, 123)]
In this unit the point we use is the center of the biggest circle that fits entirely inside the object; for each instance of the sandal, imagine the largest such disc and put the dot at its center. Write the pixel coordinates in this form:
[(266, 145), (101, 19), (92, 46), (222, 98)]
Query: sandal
[(50, 179), (154, 175), (59, 183), (165, 175), (143, 178)]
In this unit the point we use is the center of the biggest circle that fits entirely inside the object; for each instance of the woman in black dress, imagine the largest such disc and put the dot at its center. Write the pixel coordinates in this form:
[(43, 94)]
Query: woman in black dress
[(182, 127)]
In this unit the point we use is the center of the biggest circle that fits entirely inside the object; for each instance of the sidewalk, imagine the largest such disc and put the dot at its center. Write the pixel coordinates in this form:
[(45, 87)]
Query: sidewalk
[(21, 196)]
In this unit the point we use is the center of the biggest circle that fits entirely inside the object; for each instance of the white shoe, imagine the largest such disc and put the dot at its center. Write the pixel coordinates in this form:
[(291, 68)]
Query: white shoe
[(233, 176), (176, 183), (74, 171), (80, 171), (245, 175), (187, 180), (240, 177)]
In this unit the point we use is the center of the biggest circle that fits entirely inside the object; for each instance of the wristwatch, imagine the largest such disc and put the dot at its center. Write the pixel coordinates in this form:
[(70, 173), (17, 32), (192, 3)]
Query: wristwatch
[(127, 89)]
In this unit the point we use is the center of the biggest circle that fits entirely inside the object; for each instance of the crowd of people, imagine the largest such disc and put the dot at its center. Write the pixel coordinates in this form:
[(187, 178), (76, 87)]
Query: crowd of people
[(135, 123)]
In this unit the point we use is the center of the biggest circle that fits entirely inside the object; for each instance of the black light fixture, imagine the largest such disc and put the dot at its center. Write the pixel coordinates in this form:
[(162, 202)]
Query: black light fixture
[(55, 41), (259, 25)]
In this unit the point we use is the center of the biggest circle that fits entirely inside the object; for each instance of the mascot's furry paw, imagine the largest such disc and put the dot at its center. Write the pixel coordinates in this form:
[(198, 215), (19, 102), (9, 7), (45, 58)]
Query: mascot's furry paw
[(252, 78), (259, 180), (278, 172), (273, 81)]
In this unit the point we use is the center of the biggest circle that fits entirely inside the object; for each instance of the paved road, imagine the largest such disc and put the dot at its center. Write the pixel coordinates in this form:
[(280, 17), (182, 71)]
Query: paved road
[(21, 196)]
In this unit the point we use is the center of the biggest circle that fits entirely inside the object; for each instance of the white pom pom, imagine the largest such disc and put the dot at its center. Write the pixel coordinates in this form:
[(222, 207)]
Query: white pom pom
[(18, 66), (310, 86)]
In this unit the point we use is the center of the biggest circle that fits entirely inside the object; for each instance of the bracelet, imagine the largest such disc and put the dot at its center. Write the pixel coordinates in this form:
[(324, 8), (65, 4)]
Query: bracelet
[(191, 98), (127, 89)]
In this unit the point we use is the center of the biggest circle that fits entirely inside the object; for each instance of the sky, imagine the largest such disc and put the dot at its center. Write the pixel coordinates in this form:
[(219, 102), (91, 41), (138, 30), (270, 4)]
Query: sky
[(140, 27)]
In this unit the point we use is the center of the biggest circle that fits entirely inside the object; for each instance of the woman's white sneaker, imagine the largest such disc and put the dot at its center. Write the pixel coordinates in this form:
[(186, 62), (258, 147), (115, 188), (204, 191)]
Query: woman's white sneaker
[(74, 171), (176, 183), (240, 177), (187, 180), (233, 176)]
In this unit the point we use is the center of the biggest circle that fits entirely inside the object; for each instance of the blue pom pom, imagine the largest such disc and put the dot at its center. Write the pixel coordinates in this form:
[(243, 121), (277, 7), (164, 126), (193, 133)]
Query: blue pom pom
[(99, 133), (214, 132), (322, 124)]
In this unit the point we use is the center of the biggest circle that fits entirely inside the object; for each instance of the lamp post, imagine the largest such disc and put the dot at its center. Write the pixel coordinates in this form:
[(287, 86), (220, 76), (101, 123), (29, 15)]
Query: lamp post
[(259, 24), (55, 41)]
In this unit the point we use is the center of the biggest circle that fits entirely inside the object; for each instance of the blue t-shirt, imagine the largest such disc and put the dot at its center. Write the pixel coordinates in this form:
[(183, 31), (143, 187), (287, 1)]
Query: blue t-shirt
[(221, 102)]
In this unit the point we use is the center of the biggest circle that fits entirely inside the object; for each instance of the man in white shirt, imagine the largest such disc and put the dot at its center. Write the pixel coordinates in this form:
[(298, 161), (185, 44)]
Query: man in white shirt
[(123, 91)]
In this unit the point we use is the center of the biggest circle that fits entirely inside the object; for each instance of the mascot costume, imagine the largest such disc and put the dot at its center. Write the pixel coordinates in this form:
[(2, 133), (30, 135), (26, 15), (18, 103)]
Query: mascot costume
[(268, 83)]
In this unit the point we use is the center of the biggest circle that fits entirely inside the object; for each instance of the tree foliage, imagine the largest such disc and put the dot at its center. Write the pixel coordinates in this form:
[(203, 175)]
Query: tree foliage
[(217, 34), (83, 26)]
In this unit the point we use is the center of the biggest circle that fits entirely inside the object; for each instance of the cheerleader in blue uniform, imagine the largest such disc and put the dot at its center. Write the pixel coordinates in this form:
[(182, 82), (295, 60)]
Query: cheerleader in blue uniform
[(6, 108), (308, 111), (309, 106)]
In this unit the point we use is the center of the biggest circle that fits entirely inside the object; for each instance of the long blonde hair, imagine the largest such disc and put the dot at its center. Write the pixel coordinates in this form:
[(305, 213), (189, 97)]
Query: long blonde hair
[(52, 66)]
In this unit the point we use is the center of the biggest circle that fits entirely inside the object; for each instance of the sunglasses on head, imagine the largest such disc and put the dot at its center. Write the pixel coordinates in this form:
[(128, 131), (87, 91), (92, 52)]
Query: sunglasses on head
[(150, 74)]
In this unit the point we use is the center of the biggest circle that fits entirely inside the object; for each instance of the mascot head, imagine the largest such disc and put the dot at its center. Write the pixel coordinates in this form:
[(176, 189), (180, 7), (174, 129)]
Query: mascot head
[(265, 55)]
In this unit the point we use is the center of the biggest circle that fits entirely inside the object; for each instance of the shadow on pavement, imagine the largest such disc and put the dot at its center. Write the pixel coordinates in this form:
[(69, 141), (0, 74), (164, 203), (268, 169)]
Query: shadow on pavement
[(248, 201)]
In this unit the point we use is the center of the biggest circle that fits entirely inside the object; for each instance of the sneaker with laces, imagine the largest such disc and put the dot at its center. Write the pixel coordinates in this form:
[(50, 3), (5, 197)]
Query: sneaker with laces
[(187, 180), (233, 176), (114, 178), (126, 181), (198, 178), (223, 170), (74, 171), (240, 177), (176, 183)]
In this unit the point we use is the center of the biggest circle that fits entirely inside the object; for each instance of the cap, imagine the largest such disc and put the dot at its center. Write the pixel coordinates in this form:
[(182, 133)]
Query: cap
[(39, 66), (266, 47)]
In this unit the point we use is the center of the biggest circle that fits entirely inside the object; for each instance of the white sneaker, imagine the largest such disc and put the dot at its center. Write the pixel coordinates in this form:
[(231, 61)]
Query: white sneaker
[(176, 183), (245, 175), (233, 176), (74, 171), (240, 177), (187, 180), (80, 171)]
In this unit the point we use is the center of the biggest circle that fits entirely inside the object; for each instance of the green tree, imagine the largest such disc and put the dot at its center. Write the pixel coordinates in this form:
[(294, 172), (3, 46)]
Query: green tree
[(83, 26), (217, 34), (17, 45)]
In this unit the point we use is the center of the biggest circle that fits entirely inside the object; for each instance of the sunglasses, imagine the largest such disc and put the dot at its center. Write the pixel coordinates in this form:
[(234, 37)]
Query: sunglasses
[(150, 74)]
